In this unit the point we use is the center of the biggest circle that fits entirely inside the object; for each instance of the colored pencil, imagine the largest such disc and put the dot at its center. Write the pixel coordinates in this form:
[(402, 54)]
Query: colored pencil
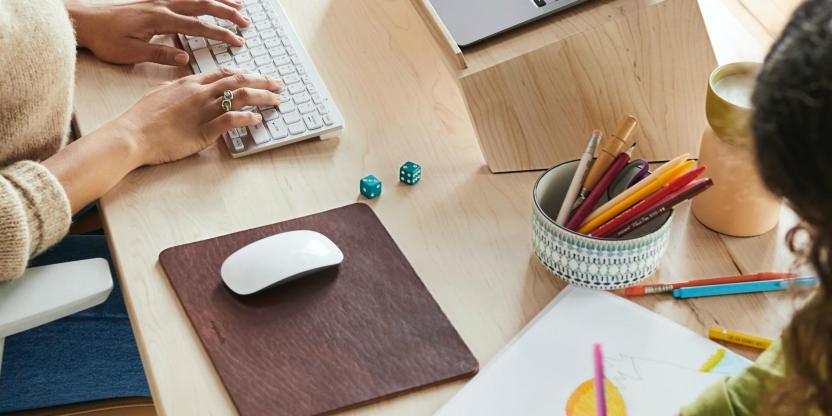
[(597, 192), (580, 172), (691, 190), (637, 187), (647, 204), (721, 334), (653, 185), (650, 289), (745, 287), (600, 388)]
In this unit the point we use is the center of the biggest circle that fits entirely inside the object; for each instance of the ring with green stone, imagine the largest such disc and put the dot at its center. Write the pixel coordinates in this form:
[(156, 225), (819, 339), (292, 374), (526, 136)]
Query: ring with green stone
[(228, 95), (226, 105)]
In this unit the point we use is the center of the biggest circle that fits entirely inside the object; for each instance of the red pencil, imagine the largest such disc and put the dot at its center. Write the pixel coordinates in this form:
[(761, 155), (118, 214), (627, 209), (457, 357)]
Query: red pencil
[(599, 190), (647, 204), (668, 287)]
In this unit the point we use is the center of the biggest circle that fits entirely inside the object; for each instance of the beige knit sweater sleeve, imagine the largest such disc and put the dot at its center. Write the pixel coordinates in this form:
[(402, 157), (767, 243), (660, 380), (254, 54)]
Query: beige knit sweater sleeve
[(37, 66), (34, 214)]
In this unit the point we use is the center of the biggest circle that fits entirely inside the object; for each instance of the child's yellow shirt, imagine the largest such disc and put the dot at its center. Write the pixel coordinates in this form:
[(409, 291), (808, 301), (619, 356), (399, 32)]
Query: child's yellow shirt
[(740, 395)]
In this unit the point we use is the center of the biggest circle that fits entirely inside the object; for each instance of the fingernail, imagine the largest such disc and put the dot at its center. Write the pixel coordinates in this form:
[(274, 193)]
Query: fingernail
[(276, 99), (181, 58), (241, 39), (258, 118)]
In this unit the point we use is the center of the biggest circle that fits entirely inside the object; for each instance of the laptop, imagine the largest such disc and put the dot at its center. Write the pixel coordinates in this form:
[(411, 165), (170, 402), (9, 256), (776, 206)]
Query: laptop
[(471, 21)]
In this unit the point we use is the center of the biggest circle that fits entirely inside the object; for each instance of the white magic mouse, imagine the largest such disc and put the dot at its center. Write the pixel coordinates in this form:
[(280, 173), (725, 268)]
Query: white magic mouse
[(278, 259)]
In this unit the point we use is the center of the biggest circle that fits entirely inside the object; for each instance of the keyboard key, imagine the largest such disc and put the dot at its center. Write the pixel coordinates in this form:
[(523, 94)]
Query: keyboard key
[(259, 133), (259, 16), (301, 69), (291, 79), (317, 99), (233, 133), (242, 58), (219, 48), (238, 144), (253, 42), (269, 33), (322, 109), (296, 60), (278, 129), (263, 25), (301, 97), (197, 43), (248, 33), (281, 32), (313, 121), (286, 69), (248, 66), (292, 117), (204, 60), (226, 23), (260, 50), (223, 58), (214, 42), (254, 8), (297, 128), (286, 107), (296, 87), (312, 89), (286, 42), (284, 96), (236, 50), (267, 69), (207, 19), (306, 108), (328, 120), (290, 50), (274, 46), (282, 60), (270, 114), (306, 79), (263, 60)]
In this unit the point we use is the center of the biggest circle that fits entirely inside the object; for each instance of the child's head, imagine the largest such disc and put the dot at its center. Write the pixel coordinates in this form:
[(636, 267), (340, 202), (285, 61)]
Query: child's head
[(792, 125)]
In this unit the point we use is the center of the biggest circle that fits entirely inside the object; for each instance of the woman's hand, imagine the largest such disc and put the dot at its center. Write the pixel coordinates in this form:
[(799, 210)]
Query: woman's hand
[(172, 122), (186, 116), (121, 33)]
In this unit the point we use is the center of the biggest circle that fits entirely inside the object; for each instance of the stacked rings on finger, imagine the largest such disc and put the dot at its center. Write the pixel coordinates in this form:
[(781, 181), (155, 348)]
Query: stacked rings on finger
[(227, 96)]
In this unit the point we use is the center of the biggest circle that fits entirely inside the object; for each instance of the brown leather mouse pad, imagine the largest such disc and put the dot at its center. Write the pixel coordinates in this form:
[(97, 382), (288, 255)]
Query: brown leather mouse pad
[(358, 333)]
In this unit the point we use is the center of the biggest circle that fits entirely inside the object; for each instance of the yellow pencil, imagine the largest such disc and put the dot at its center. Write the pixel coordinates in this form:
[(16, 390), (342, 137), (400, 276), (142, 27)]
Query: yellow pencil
[(652, 186), (753, 341), (637, 187)]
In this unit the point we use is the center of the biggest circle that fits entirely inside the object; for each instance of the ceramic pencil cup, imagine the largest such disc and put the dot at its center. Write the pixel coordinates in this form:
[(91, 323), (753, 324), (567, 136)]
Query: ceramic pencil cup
[(596, 263)]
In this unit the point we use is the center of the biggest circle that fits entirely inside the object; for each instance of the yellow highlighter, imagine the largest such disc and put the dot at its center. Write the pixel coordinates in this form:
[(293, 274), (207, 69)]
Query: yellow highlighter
[(651, 186), (637, 187), (753, 341)]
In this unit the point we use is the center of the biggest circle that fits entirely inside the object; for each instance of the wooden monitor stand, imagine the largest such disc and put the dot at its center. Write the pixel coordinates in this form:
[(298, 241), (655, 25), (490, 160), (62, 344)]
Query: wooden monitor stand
[(535, 93)]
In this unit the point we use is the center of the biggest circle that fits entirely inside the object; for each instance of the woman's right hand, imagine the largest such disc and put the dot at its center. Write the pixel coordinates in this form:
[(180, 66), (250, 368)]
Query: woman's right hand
[(186, 116)]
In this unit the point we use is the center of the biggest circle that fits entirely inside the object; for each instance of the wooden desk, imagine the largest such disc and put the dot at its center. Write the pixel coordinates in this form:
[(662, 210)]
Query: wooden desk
[(466, 231)]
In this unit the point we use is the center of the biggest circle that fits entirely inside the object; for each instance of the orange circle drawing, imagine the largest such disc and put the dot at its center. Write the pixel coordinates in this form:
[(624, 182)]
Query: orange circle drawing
[(582, 400)]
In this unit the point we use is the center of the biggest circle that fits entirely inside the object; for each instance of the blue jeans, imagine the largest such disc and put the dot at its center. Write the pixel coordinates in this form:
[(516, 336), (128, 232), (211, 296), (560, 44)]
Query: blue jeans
[(88, 356)]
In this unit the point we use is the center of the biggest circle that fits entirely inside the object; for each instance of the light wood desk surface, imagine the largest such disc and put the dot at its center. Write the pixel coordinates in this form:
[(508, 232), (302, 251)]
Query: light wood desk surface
[(466, 231)]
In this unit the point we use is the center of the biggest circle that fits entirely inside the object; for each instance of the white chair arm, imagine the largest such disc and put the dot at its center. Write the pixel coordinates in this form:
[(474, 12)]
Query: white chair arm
[(47, 293)]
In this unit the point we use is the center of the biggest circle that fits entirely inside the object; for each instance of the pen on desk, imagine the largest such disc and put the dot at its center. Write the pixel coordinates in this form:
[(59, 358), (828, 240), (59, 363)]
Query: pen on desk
[(600, 389), (745, 287), (691, 190), (640, 185), (653, 185), (644, 206), (650, 289), (599, 190), (575, 186), (613, 146), (721, 334)]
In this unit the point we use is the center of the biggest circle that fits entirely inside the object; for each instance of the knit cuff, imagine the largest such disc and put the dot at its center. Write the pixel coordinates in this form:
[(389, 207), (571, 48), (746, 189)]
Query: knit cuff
[(47, 207)]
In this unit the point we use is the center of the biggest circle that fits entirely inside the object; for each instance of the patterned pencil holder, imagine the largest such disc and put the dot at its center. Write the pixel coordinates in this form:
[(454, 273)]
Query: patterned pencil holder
[(596, 263)]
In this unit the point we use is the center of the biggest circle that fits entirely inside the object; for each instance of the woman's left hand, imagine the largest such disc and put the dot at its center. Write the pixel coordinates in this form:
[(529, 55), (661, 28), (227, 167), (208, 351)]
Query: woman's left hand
[(121, 33)]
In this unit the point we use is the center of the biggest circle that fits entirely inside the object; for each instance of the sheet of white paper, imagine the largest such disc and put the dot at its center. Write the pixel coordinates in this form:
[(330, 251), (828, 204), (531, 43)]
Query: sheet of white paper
[(651, 360)]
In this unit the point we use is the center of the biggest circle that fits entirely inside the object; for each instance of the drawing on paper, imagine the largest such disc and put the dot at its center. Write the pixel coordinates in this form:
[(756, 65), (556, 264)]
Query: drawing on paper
[(724, 362), (582, 401)]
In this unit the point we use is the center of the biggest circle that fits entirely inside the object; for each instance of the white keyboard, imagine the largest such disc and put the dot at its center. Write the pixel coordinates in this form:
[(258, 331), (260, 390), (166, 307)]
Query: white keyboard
[(272, 48)]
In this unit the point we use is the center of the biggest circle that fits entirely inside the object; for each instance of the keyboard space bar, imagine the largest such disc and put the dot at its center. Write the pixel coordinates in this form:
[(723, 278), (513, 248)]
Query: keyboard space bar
[(204, 60)]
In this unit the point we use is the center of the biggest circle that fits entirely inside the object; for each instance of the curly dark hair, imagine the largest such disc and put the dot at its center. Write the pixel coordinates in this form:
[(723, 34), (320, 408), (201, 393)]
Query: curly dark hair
[(792, 128)]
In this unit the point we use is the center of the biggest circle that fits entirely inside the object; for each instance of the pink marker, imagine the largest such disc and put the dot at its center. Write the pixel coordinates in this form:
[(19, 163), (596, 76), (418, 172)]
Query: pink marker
[(600, 391)]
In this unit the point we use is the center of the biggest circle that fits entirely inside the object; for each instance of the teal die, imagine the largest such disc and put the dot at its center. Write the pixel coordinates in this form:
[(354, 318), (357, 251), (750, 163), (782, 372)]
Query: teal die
[(410, 173), (370, 186)]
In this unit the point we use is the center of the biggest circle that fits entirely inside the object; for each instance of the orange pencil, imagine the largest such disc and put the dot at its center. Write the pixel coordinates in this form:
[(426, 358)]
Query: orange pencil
[(650, 289)]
